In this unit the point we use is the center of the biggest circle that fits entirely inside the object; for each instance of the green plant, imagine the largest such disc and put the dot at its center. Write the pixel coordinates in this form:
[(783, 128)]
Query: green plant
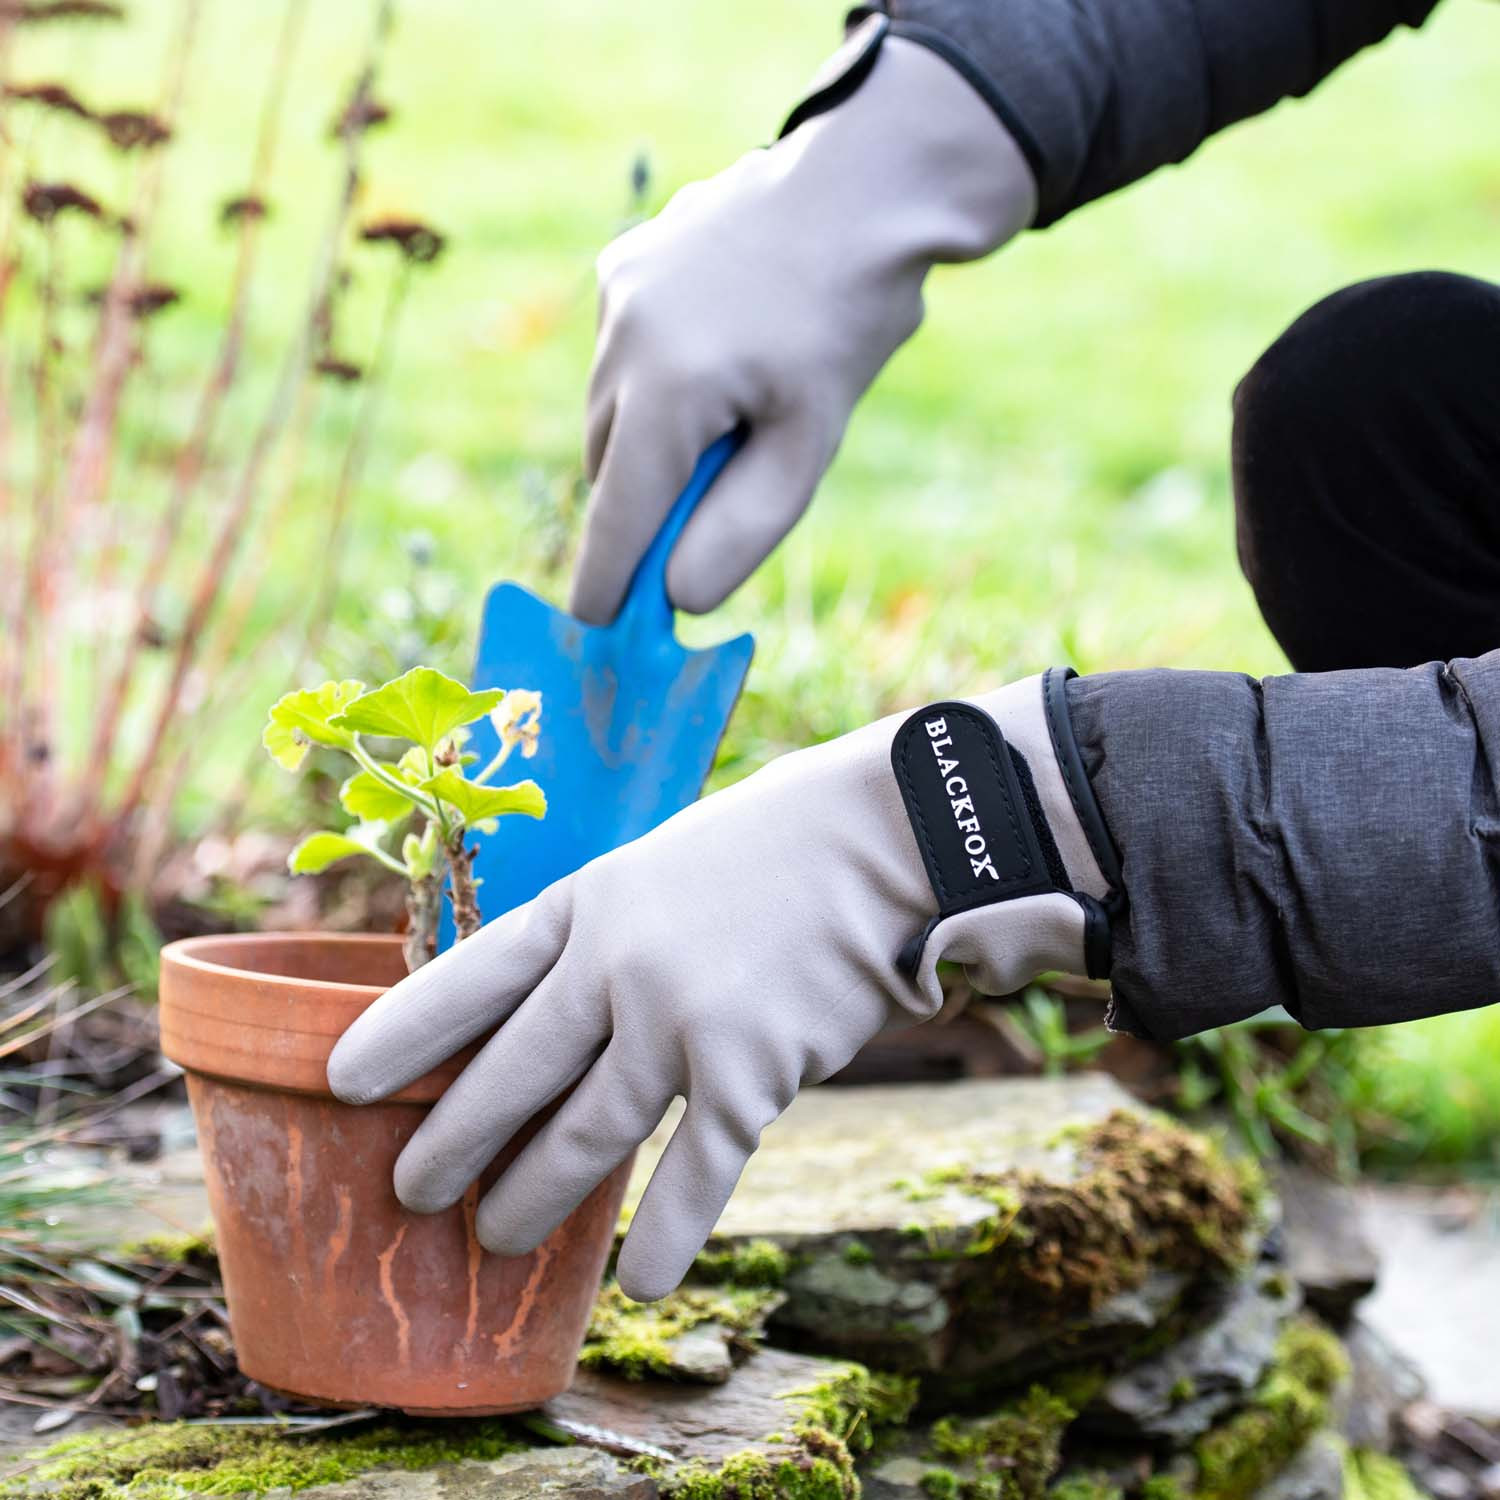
[(1042, 1020), (154, 436), (430, 779), (1285, 1088)]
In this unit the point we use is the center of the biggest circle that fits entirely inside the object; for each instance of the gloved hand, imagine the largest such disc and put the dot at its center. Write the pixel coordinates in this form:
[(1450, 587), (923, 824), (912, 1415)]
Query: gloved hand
[(773, 293), (749, 945)]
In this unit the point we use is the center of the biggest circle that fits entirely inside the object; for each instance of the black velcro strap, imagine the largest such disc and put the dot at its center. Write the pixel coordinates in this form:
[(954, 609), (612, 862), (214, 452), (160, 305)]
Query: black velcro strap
[(974, 812)]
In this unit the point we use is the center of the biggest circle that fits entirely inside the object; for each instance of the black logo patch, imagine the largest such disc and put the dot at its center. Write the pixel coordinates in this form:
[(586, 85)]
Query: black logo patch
[(970, 801)]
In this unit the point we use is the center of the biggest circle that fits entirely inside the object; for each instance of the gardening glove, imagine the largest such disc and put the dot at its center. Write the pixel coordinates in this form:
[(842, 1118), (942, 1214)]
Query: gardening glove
[(772, 294), (750, 945)]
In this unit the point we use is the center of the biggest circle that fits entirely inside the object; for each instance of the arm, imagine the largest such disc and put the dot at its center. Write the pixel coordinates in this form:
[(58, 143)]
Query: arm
[(1327, 842), (772, 294), (1100, 92)]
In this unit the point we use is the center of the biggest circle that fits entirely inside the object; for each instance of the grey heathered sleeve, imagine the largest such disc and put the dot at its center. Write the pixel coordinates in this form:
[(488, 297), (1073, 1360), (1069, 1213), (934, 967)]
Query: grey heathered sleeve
[(1329, 842), (1101, 92)]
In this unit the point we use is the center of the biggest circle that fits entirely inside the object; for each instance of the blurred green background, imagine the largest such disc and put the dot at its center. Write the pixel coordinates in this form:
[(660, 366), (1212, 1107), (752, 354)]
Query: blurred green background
[(1040, 476)]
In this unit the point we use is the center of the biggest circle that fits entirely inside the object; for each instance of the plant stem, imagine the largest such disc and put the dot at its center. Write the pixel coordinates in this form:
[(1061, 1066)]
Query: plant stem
[(430, 806), (501, 756), (424, 902), (462, 890)]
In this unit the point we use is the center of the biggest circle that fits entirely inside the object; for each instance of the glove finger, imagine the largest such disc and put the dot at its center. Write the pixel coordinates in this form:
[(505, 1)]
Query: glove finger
[(598, 423), (750, 508), (654, 441), (546, 1046), (682, 1202), (447, 1003), (599, 1124)]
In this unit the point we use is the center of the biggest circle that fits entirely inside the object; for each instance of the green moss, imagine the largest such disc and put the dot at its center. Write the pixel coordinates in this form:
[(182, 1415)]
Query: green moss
[(1086, 1486), (177, 1248), (941, 1484), (756, 1263), (1011, 1454), (1184, 1389), (831, 1422), (1149, 1194), (855, 1404), (1290, 1403), (1163, 1487), (758, 1476), (1377, 1476), (173, 1458), (634, 1339), (857, 1253)]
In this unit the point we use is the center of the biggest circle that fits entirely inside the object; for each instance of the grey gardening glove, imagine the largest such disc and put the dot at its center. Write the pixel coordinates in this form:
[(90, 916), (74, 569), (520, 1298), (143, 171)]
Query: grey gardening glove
[(750, 945), (773, 294)]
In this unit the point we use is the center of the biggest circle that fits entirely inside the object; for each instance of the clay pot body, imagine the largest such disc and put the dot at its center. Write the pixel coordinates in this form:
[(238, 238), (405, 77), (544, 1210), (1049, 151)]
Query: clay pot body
[(336, 1292)]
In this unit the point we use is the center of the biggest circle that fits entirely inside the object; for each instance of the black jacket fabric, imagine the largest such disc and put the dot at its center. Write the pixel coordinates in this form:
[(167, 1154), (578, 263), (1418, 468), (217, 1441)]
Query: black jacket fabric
[(1325, 841), (1101, 92)]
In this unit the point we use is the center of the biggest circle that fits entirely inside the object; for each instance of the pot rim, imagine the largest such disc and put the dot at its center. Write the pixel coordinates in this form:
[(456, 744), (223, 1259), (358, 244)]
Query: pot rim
[(186, 953), (246, 1026)]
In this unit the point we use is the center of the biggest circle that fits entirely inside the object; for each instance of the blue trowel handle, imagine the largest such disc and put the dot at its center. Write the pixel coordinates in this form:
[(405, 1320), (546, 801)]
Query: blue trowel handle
[(646, 601)]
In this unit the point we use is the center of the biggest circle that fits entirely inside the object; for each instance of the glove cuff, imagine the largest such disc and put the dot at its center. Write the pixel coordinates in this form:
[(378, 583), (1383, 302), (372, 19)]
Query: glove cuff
[(1002, 811), (936, 164)]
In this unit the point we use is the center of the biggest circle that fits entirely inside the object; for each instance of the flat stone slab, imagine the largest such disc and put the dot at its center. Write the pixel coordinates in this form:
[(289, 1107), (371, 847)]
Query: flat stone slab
[(878, 1194), (1328, 1250), (835, 1162), (1180, 1393), (679, 1423), (537, 1474)]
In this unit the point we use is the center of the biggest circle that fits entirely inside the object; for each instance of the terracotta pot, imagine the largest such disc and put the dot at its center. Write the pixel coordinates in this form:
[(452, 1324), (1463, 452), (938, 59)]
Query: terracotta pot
[(336, 1292)]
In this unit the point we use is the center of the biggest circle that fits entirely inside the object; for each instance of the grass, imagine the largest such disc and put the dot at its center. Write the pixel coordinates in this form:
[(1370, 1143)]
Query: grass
[(1435, 1080), (1039, 477)]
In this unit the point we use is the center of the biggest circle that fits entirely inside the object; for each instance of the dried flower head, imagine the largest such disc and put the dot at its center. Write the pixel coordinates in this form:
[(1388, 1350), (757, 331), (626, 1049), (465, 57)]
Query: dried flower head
[(133, 129), (344, 370), (363, 112), (518, 720), (61, 10), (48, 96), (246, 207), (43, 201), (419, 243), (143, 301), (154, 297)]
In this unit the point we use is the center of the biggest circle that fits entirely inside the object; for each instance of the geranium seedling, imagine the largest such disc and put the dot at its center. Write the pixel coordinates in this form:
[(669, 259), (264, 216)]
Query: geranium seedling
[(434, 780)]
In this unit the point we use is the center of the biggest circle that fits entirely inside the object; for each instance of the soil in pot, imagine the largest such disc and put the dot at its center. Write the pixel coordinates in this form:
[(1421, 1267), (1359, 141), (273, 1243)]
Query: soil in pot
[(337, 1293)]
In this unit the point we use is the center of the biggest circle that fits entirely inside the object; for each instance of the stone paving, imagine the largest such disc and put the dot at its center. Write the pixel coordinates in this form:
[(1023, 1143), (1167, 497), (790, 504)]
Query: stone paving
[(902, 1211)]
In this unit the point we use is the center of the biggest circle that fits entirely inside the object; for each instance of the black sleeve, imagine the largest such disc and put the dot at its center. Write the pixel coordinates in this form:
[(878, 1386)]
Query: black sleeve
[(1329, 842), (1101, 92)]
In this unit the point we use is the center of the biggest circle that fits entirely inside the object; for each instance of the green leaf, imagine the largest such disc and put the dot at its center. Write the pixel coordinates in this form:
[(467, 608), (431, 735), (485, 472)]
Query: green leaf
[(423, 706), (305, 718), (477, 804), (371, 800), (319, 850)]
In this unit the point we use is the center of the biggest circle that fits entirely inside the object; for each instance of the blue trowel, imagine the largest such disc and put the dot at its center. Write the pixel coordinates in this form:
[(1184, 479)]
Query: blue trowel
[(631, 719)]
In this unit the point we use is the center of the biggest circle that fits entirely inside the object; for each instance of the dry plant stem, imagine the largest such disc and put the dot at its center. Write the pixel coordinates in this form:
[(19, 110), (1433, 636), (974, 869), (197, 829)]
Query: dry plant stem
[(462, 891), (10, 541), (231, 665), (29, 605), (352, 465), (59, 513), (424, 904), (115, 347), (188, 470), (217, 566)]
